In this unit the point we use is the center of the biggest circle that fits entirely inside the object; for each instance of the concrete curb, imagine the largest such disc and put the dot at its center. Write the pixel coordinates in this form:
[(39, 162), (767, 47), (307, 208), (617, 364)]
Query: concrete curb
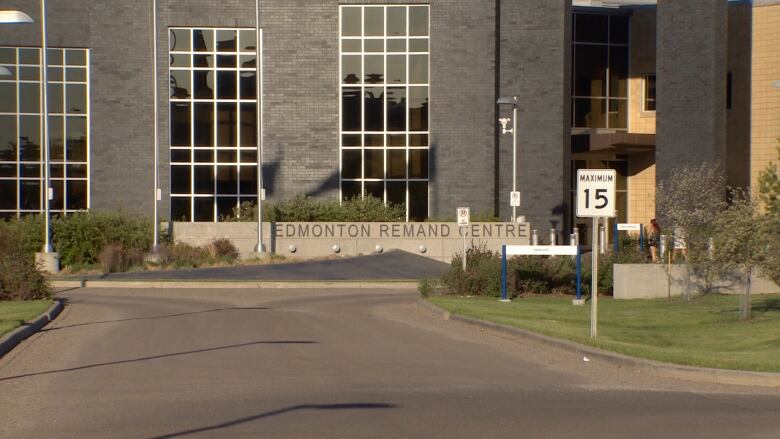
[(258, 284), (13, 338), (720, 376)]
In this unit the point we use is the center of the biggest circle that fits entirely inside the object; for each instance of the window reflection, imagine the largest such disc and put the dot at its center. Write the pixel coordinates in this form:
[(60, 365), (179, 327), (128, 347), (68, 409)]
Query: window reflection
[(374, 109)]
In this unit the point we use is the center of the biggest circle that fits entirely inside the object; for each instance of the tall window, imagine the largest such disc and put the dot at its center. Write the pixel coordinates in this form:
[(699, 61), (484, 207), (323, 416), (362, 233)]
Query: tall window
[(649, 93), (21, 152), (600, 72), (213, 129), (384, 104)]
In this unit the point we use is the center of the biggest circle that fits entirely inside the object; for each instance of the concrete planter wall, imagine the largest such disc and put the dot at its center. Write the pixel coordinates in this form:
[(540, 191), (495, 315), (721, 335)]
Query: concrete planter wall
[(438, 241), (648, 281)]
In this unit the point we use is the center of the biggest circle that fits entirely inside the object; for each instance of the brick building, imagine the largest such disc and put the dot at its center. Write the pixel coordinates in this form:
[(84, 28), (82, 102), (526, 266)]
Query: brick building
[(394, 99)]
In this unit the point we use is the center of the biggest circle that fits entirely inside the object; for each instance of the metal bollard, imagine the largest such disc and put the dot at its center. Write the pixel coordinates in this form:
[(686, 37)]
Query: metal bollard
[(534, 238), (662, 248), (553, 237), (573, 239), (602, 240), (576, 235)]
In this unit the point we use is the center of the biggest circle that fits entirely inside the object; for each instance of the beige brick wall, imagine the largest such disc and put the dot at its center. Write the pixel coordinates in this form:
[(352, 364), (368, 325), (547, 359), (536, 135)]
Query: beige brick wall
[(641, 195), (765, 123)]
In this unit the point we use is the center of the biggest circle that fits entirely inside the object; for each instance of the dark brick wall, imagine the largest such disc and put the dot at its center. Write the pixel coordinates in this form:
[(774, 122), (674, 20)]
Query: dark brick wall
[(691, 84), (738, 117), (536, 67)]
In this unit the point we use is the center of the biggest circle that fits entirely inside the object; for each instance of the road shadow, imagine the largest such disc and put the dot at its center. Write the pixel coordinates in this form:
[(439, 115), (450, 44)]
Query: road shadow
[(165, 316), (227, 424), (155, 357)]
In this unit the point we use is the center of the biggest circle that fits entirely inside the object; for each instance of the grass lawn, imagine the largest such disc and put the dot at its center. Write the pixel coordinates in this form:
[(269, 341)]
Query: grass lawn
[(706, 332), (13, 314)]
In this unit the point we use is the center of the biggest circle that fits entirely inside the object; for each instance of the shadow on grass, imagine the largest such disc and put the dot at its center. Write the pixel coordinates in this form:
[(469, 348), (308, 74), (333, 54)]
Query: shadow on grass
[(227, 424), (155, 357)]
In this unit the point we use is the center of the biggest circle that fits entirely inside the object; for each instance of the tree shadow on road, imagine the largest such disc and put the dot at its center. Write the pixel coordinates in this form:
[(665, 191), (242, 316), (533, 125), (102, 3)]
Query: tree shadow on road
[(155, 357), (227, 424)]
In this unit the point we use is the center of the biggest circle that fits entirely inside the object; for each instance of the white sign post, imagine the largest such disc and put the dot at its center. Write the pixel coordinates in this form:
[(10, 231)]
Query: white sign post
[(595, 199), (514, 199), (463, 223)]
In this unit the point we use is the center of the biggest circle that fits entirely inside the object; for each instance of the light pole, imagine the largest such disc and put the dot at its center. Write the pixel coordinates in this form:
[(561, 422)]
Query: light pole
[(157, 192), (259, 130), (505, 100)]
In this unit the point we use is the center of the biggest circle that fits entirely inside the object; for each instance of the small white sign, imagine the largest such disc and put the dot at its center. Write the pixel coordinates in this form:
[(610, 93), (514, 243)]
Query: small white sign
[(463, 216), (630, 227), (514, 199), (546, 250), (262, 194), (596, 193)]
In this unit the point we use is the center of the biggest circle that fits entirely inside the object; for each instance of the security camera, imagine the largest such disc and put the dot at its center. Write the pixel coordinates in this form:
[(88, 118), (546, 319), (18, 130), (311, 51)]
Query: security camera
[(504, 121)]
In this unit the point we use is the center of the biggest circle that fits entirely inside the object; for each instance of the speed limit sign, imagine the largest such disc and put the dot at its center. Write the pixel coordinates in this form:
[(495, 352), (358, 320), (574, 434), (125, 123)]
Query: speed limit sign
[(596, 193)]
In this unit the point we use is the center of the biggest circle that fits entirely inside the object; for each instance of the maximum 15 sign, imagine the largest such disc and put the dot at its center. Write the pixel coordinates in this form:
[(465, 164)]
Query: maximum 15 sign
[(596, 193)]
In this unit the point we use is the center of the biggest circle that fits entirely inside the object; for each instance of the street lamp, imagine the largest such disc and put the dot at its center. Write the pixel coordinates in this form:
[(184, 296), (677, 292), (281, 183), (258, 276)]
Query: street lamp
[(157, 191), (505, 100), (4, 71), (7, 17), (259, 121)]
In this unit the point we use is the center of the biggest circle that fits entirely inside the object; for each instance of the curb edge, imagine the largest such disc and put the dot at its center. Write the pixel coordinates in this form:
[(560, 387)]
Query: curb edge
[(16, 336)]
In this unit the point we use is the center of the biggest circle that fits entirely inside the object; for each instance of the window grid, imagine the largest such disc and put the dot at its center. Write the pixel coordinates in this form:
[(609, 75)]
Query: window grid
[(212, 174), (406, 46), (21, 176)]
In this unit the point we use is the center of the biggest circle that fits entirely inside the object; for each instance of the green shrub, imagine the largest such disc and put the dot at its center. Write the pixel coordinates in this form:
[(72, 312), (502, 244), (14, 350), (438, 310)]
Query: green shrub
[(115, 257), (80, 237), (223, 249), (428, 287), (482, 276), (181, 255), (20, 279), (308, 209)]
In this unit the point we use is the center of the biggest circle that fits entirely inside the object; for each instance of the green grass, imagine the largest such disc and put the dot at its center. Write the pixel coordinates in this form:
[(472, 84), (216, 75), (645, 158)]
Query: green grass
[(706, 332), (14, 314)]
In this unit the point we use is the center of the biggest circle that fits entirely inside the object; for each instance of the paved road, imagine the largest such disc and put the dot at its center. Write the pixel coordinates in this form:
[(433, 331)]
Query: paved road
[(392, 265), (350, 364)]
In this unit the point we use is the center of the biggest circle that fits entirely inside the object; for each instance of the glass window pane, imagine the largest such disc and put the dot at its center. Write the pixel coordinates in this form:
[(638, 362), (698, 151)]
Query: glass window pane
[(204, 208), (180, 124), (248, 124), (76, 98), (374, 21), (76, 74), (55, 74), (350, 163), (418, 163), (374, 189), (248, 61), (397, 140), (396, 109), (227, 40), (374, 140), (77, 171), (226, 61), (8, 97), (618, 72), (227, 180), (203, 60), (7, 55), (30, 194), (374, 163), (203, 179), (181, 86), (396, 45), (203, 156), (30, 171), (396, 192), (396, 163), (247, 183), (351, 70), (226, 84), (418, 200), (351, 109), (374, 45), (418, 140), (418, 45), (418, 69), (591, 70), (179, 40), (418, 20), (28, 73), (396, 69), (203, 83), (180, 155), (227, 124), (180, 209), (591, 28), (396, 21), (55, 98), (76, 144), (225, 206), (248, 40), (374, 109), (29, 138), (618, 113), (76, 57), (203, 40), (56, 138), (204, 124), (58, 171), (350, 190), (352, 45), (351, 21), (8, 139), (8, 170), (418, 108), (248, 82), (350, 140), (248, 156), (58, 198), (618, 29), (180, 60), (375, 69), (54, 57), (29, 98), (590, 113), (29, 56), (7, 194)]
